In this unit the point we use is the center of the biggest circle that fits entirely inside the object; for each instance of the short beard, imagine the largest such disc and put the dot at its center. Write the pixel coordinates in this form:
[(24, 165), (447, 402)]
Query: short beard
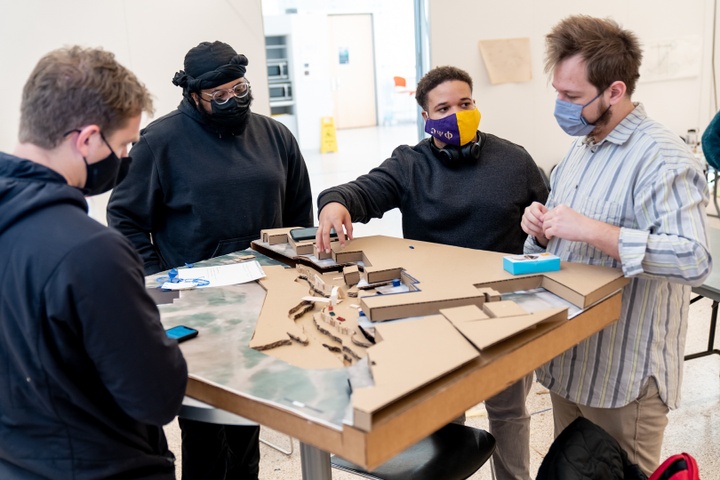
[(603, 119)]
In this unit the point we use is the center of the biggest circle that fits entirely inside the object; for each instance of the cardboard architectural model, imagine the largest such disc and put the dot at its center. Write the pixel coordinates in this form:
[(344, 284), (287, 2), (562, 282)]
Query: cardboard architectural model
[(325, 313)]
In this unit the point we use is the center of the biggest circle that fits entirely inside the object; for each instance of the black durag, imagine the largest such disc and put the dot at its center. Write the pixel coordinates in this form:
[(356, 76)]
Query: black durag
[(210, 65)]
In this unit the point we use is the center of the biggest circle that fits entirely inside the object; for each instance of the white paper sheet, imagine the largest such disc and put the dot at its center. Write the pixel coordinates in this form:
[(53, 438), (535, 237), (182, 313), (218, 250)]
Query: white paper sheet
[(217, 276)]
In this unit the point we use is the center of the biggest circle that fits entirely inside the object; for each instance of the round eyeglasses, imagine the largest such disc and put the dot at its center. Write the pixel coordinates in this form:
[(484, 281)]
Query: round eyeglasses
[(221, 97)]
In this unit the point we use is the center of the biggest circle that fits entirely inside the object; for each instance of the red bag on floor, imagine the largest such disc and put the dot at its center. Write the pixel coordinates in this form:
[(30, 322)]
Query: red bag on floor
[(677, 467)]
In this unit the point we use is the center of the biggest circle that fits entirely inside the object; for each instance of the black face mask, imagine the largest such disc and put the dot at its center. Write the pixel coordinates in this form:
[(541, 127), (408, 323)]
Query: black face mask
[(229, 118), (105, 174)]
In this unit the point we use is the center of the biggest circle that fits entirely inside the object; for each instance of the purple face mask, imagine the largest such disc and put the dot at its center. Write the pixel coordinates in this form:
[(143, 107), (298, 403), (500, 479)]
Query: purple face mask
[(456, 129)]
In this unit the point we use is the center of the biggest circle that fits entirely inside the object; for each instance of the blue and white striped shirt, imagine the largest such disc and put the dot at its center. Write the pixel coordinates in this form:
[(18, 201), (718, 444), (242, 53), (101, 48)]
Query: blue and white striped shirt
[(645, 180)]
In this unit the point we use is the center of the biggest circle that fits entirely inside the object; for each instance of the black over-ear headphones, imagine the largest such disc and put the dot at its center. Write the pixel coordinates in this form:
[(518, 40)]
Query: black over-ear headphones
[(468, 153)]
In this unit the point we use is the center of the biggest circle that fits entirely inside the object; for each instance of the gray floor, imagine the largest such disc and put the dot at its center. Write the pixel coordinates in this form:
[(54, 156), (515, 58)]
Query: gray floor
[(693, 428)]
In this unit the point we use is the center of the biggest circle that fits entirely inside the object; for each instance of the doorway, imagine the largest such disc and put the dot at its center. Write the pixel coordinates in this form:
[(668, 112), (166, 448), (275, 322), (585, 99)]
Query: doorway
[(352, 66), (397, 46)]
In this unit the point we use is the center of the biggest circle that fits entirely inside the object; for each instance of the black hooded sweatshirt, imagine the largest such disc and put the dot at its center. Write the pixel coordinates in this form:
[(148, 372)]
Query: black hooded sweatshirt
[(194, 193), (466, 203), (87, 374)]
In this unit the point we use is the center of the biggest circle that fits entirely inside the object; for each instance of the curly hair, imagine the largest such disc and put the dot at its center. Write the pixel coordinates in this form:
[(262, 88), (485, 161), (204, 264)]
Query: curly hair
[(610, 52), (435, 77), (74, 86)]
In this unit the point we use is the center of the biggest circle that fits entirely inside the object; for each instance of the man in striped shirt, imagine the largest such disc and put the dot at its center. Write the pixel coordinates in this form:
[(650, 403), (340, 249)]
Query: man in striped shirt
[(629, 194)]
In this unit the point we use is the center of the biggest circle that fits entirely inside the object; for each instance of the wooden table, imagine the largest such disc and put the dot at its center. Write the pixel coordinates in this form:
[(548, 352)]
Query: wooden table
[(417, 415)]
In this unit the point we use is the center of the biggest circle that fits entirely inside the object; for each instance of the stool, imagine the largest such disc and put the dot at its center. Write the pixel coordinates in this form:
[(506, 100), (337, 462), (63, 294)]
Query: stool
[(454, 452)]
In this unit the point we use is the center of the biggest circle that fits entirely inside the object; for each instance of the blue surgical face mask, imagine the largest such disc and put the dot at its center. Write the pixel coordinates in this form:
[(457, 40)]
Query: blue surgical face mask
[(569, 117)]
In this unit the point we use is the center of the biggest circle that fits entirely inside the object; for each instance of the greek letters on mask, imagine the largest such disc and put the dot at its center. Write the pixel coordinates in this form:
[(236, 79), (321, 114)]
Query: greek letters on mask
[(456, 129)]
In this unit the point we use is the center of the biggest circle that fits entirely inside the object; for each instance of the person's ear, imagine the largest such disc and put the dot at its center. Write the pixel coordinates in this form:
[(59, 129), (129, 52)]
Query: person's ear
[(86, 139), (617, 91), (424, 115)]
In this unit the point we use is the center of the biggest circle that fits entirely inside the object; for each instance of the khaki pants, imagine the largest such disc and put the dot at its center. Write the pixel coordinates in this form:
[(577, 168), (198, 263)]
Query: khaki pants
[(638, 427)]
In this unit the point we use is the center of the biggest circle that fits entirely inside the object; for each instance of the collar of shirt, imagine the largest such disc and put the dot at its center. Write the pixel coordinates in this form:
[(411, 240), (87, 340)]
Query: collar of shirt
[(622, 131)]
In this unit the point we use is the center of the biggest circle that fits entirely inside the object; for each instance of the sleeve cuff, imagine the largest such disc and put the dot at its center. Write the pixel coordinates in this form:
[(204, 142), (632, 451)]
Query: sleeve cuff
[(632, 247), (329, 197)]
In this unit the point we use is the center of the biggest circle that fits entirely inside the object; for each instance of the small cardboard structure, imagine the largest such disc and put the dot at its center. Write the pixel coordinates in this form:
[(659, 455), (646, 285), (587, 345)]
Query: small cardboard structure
[(321, 255), (302, 247), (351, 274), (275, 236), (277, 243)]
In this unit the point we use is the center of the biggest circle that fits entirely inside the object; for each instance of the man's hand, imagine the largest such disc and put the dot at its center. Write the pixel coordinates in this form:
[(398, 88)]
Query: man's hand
[(533, 221), (564, 222), (333, 215)]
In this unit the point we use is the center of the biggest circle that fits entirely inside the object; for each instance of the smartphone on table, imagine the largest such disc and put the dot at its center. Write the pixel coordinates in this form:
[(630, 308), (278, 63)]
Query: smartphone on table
[(308, 233), (181, 333)]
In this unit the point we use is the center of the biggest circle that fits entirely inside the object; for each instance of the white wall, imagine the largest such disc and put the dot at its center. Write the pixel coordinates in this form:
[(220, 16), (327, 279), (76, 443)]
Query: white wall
[(523, 112), (149, 37), (152, 37)]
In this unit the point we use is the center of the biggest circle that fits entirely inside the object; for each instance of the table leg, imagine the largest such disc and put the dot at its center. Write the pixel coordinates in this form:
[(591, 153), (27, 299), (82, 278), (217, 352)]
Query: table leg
[(711, 337), (315, 463), (715, 199)]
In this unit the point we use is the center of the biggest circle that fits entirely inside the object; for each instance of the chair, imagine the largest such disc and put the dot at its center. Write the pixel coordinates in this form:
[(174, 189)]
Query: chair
[(401, 86), (402, 107), (454, 452)]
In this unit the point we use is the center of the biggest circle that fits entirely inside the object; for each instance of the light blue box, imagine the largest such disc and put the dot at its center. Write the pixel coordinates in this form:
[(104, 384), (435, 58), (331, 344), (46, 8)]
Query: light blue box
[(532, 263)]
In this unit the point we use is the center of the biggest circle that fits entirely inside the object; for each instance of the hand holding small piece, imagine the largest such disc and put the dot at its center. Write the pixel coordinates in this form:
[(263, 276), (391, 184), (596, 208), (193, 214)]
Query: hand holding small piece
[(564, 222), (333, 216), (568, 224), (532, 222)]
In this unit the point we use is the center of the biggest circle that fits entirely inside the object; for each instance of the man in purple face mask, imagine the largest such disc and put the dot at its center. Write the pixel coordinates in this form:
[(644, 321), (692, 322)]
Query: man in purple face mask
[(629, 194), (459, 187)]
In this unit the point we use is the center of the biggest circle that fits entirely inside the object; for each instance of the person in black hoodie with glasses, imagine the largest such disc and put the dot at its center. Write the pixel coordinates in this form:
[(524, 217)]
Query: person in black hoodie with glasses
[(205, 179)]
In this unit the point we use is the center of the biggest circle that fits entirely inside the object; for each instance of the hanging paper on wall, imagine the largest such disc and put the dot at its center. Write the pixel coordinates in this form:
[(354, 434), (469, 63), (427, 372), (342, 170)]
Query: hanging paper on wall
[(343, 56), (507, 60), (672, 58)]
